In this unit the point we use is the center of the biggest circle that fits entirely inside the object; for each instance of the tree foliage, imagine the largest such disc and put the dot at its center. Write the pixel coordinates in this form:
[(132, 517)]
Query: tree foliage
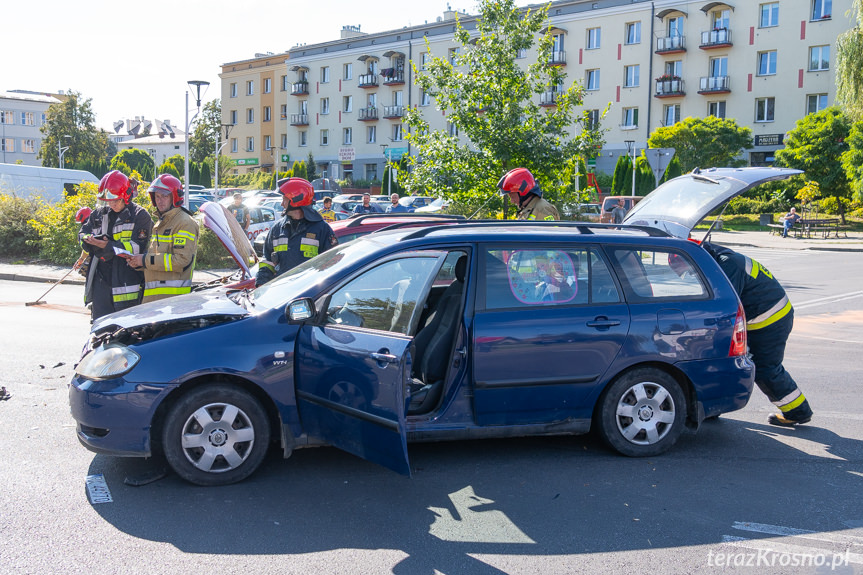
[(849, 66), (74, 118), (202, 143), (852, 160), (494, 103), (704, 142), (814, 145), (134, 159), (169, 168), (311, 168)]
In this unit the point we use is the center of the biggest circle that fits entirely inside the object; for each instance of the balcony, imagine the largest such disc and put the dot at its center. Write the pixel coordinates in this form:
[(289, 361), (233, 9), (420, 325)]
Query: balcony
[(368, 81), (671, 45), (394, 111), (300, 88), (669, 88), (299, 119), (714, 85), (557, 58), (368, 114), (548, 99), (393, 77), (712, 39)]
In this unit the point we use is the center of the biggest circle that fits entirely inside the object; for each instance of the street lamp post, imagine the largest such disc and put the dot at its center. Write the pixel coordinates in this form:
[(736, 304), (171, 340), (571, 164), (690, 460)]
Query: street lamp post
[(196, 85), (386, 167), (630, 148), (61, 150)]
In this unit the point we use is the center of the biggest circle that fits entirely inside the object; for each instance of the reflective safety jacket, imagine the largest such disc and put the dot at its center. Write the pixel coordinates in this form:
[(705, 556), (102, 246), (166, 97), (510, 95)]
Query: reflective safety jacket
[(538, 209), (128, 229), (764, 299), (291, 242), (170, 258)]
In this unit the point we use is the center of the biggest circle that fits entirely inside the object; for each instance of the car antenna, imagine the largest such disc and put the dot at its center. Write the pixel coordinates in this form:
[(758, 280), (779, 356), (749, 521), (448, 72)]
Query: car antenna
[(712, 225), (493, 196)]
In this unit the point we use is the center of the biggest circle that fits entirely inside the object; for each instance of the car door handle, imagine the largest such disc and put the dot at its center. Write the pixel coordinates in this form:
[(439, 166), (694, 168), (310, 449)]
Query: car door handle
[(383, 357), (603, 323)]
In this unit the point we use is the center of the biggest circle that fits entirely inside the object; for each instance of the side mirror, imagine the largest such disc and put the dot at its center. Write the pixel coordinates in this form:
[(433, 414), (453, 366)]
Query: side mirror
[(300, 310)]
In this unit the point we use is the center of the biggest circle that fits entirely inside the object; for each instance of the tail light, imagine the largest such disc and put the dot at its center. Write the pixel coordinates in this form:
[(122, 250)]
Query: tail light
[(738, 338)]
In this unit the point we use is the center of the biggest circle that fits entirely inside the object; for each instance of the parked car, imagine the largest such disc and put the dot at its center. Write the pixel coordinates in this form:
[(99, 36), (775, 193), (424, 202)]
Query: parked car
[(444, 332), (439, 205), (609, 202), (414, 202), (582, 212), (327, 187), (196, 201)]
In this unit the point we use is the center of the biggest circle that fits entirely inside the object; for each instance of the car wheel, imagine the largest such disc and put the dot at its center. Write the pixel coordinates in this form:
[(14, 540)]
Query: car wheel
[(216, 435), (642, 413)]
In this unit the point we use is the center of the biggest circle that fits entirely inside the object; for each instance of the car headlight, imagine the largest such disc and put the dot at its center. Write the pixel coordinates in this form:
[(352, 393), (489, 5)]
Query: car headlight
[(106, 362)]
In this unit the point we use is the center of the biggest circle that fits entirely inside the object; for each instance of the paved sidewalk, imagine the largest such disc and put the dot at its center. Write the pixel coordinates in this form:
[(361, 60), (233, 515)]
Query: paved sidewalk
[(40, 272)]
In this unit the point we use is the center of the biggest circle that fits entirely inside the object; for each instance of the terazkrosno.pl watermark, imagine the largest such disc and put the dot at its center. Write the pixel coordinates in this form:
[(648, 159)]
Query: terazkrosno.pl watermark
[(768, 558)]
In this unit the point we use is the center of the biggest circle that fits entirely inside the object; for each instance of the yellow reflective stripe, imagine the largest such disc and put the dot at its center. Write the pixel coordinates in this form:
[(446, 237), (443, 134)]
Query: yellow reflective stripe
[(549, 218), (185, 234), (168, 266), (163, 238), (796, 403), (771, 316), (280, 248), (309, 251), (167, 291), (531, 217), (266, 265)]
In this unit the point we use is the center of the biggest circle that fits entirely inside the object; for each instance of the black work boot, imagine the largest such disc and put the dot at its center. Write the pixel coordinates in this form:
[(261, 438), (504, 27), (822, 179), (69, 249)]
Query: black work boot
[(797, 416)]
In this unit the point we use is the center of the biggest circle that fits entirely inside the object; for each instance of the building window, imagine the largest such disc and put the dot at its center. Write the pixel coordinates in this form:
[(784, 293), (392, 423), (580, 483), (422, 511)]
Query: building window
[(593, 38), (268, 85), (325, 105), (250, 144), (268, 114), (284, 111), (764, 109), (250, 115), (770, 15), (325, 74), (398, 98), (631, 76), (28, 119), (7, 145), (592, 120), (822, 9), (721, 19), (520, 53), (250, 88), (372, 172), (675, 27), (397, 133), (674, 69), (234, 117), (557, 47), (28, 146), (671, 114), (347, 136), (284, 83), (348, 104), (233, 89), (592, 80), (303, 139), (7, 117), (719, 67), (767, 63), (233, 145), (630, 118), (819, 58), (815, 103), (452, 129), (452, 56), (425, 98), (268, 142), (284, 141), (348, 71), (371, 134), (633, 33), (44, 119), (716, 109), (325, 137)]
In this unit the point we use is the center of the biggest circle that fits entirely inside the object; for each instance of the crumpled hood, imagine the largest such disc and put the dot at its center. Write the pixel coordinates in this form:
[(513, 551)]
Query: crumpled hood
[(193, 305)]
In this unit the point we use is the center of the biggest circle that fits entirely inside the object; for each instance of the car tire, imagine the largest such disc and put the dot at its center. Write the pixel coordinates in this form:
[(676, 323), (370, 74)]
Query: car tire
[(642, 413), (215, 435)]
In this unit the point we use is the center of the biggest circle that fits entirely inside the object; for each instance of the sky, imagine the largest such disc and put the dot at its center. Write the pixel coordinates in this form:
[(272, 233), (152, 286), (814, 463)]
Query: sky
[(134, 58)]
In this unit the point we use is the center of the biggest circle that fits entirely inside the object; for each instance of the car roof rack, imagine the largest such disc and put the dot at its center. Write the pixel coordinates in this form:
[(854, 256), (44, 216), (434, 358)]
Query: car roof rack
[(582, 227), (356, 220)]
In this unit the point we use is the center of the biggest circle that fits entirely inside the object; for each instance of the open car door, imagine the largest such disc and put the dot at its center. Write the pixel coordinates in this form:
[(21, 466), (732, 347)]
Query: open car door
[(353, 364), (679, 204)]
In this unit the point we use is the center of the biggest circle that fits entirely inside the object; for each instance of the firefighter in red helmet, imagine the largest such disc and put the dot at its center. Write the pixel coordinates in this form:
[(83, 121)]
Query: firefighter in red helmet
[(523, 191), (300, 235), (170, 258), (120, 227)]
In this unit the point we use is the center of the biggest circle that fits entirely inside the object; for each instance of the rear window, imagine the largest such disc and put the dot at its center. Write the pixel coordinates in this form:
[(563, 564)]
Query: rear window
[(655, 274)]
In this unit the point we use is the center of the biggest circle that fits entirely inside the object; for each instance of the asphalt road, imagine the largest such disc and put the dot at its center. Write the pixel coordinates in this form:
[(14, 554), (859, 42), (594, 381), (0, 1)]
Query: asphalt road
[(739, 491)]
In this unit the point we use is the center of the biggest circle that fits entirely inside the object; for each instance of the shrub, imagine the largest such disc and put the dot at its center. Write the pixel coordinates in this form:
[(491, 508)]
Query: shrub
[(57, 228), (741, 205), (211, 253), (829, 205), (18, 236)]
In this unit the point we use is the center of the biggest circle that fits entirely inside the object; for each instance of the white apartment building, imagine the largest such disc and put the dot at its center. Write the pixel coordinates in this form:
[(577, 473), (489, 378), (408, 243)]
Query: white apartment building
[(765, 64), (22, 113)]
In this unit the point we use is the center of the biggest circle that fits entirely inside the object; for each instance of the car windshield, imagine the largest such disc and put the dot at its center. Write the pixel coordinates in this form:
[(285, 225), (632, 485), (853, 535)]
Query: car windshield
[(298, 280), (686, 200)]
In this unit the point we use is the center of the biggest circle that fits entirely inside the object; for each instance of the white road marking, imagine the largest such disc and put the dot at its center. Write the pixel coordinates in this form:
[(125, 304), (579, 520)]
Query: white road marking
[(799, 543), (802, 533), (828, 299)]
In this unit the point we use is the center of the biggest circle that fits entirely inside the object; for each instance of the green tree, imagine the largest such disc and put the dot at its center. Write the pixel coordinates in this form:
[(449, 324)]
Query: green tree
[(72, 117), (814, 145), (168, 168), (311, 168), (494, 103), (704, 142), (205, 179), (208, 124), (852, 160), (621, 185), (135, 159), (849, 66)]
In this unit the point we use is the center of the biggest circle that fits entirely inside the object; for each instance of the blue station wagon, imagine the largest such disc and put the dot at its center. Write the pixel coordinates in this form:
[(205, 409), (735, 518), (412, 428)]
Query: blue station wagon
[(464, 330)]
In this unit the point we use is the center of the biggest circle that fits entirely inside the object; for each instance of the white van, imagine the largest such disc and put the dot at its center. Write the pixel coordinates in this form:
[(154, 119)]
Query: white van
[(52, 184)]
